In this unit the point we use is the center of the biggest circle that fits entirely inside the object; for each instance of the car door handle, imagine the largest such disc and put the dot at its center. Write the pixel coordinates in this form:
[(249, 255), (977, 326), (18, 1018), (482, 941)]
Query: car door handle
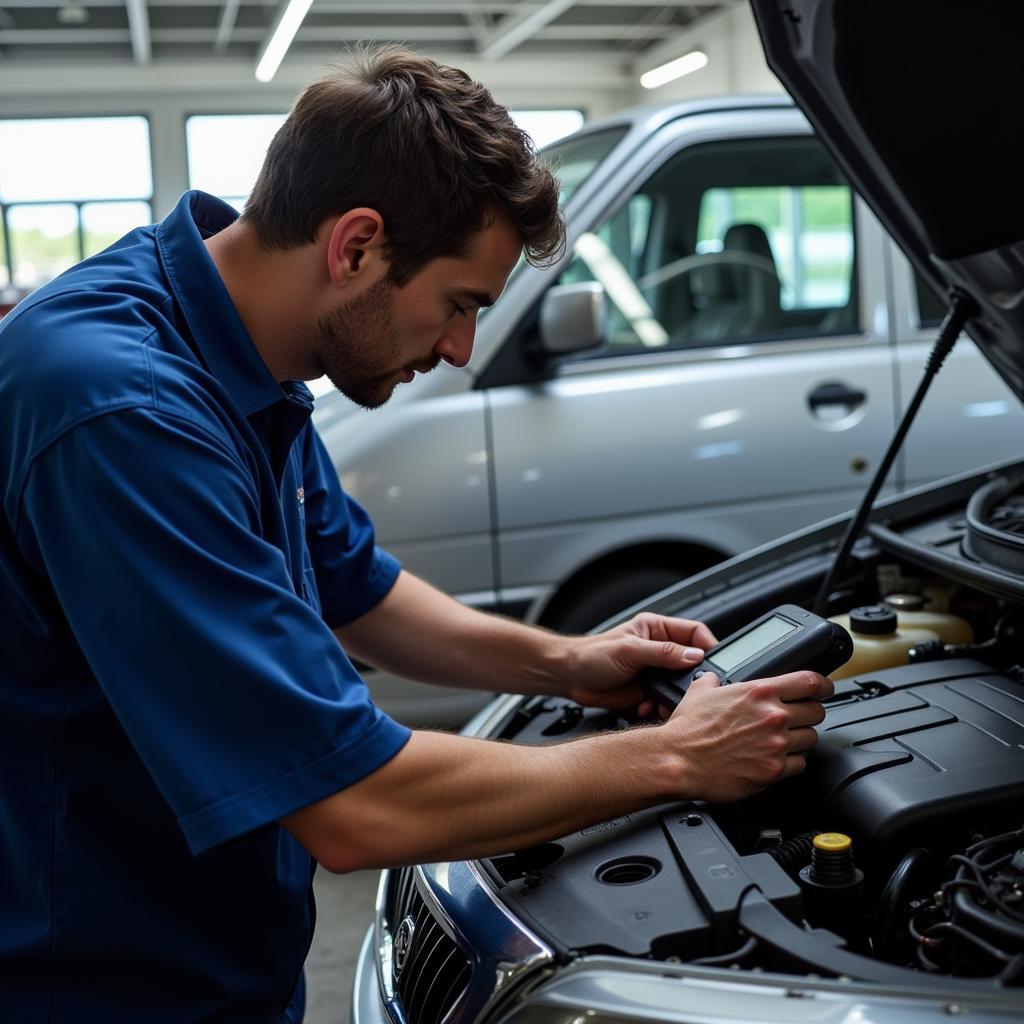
[(836, 393)]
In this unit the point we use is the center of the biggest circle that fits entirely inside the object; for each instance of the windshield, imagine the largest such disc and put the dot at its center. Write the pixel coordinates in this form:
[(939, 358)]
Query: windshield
[(574, 160)]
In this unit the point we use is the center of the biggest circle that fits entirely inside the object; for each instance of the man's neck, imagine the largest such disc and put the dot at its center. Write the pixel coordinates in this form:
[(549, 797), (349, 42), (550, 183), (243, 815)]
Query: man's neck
[(273, 293)]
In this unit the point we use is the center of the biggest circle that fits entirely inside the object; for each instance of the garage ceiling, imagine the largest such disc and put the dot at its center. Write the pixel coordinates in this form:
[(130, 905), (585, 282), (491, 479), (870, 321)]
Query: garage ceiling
[(141, 32)]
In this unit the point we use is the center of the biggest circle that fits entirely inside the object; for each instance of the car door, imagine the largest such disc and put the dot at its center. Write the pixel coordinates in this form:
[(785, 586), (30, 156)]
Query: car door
[(745, 388), (969, 417)]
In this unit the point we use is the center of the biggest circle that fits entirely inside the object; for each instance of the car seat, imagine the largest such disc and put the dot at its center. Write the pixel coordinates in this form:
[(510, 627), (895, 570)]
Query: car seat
[(736, 293)]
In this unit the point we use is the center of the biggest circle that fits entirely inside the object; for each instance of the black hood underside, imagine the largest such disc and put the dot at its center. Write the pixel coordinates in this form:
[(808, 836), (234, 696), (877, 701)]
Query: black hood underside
[(920, 102)]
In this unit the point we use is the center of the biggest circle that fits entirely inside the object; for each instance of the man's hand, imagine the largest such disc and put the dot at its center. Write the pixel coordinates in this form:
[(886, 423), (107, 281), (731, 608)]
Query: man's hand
[(603, 668), (735, 740)]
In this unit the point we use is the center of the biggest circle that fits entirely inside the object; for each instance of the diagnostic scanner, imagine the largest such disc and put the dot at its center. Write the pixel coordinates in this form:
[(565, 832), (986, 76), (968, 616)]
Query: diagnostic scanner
[(786, 639)]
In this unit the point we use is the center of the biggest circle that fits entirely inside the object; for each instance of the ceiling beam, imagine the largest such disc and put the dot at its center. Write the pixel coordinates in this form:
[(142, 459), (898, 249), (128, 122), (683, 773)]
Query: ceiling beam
[(516, 28), (138, 26), (226, 25), (477, 21), (679, 43), (90, 36), (63, 36)]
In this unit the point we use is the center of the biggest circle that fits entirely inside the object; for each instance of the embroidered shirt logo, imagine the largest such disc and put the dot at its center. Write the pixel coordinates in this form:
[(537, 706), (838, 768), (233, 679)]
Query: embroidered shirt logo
[(301, 495)]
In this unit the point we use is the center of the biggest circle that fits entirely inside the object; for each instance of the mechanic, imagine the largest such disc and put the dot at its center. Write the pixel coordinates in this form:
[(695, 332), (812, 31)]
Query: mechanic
[(182, 736)]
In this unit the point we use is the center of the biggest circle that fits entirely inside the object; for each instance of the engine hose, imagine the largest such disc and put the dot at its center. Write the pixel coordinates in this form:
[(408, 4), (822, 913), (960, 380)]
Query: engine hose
[(795, 853), (1014, 970), (1006, 837), (986, 919), (724, 959), (948, 928), (894, 895)]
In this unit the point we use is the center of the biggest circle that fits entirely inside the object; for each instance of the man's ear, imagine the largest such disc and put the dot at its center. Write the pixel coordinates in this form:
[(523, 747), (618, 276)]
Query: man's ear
[(355, 245)]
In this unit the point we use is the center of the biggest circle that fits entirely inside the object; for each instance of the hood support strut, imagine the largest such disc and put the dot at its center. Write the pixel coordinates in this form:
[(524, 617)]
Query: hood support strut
[(961, 308)]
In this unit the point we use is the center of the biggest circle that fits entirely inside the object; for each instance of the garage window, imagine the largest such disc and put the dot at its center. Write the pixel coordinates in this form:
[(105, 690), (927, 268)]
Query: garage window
[(547, 126), (54, 210), (226, 151)]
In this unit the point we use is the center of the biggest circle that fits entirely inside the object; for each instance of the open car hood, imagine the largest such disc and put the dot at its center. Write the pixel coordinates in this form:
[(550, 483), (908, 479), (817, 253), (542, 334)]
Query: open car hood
[(921, 106)]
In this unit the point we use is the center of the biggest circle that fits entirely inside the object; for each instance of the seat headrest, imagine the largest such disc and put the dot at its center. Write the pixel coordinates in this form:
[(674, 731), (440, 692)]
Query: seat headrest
[(748, 238)]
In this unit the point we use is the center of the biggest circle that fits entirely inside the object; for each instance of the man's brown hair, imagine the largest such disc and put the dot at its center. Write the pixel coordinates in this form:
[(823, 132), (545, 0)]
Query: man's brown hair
[(422, 144)]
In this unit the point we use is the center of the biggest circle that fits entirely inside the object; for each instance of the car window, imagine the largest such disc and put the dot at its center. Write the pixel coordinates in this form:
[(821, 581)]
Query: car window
[(726, 243), (575, 159)]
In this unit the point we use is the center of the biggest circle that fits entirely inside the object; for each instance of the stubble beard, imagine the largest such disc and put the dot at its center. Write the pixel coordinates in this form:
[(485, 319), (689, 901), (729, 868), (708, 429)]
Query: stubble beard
[(359, 349)]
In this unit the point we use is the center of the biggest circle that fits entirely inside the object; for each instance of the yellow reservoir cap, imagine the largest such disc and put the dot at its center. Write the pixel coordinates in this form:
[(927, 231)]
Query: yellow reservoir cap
[(832, 842)]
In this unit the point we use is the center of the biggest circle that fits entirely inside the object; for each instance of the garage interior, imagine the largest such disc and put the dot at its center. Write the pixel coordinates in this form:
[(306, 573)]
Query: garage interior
[(111, 109)]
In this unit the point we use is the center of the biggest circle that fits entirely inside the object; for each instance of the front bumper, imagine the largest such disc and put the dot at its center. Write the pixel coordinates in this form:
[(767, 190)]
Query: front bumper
[(366, 1006)]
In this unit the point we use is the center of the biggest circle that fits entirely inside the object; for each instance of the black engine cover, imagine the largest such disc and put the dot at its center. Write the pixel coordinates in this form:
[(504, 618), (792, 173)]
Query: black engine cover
[(911, 751)]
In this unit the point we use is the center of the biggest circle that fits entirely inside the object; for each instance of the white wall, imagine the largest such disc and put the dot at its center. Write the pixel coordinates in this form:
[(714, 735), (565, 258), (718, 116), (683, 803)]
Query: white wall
[(735, 60)]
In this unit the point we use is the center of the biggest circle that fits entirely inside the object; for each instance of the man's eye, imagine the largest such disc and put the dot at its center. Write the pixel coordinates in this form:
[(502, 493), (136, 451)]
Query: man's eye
[(458, 310)]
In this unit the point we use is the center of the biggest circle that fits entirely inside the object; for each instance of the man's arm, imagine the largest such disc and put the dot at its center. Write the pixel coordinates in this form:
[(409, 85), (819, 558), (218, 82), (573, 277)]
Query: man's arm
[(418, 632), (444, 797)]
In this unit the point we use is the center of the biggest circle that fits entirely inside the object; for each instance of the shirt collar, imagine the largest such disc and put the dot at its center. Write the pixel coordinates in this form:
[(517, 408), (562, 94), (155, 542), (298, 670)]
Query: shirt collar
[(217, 329)]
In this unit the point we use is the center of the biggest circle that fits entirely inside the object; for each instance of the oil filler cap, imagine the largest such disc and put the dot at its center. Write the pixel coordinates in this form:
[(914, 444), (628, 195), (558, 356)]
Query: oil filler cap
[(873, 619), (832, 842)]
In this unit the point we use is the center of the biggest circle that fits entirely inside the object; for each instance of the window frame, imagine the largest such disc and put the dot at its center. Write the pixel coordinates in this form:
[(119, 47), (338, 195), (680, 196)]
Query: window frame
[(8, 251)]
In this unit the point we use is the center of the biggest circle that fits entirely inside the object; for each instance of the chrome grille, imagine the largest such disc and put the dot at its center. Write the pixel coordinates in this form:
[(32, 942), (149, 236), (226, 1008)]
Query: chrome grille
[(434, 973)]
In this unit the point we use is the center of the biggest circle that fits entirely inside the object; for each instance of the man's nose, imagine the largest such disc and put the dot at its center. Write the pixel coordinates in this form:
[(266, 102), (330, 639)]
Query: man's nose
[(456, 345)]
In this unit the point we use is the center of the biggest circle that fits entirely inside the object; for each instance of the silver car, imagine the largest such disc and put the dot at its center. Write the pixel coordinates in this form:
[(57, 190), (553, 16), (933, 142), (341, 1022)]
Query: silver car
[(885, 884), (718, 360)]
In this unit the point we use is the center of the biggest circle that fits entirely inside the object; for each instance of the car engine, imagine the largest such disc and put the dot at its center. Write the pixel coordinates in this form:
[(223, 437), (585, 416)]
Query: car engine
[(896, 859), (900, 848)]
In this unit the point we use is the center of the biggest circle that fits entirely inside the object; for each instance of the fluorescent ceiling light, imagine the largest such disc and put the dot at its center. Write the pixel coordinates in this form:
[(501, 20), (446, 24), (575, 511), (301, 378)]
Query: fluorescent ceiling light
[(281, 37), (685, 65)]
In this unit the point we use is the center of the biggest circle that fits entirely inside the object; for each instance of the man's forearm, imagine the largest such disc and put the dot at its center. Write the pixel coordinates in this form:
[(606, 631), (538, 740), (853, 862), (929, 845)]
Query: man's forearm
[(448, 797), (421, 633), (445, 797)]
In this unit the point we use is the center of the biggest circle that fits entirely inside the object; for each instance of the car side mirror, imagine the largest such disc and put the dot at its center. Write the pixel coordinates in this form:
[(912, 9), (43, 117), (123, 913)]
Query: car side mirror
[(573, 318)]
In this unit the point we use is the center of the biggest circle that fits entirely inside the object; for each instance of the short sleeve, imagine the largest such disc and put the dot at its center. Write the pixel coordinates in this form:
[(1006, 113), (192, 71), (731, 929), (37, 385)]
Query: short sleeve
[(237, 697), (352, 573)]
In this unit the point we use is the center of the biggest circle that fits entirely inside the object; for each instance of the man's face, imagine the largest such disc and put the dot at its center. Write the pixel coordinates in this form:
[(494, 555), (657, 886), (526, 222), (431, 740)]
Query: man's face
[(382, 337)]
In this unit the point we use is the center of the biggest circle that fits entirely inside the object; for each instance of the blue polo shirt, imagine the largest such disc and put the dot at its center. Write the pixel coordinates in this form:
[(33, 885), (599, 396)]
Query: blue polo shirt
[(174, 550)]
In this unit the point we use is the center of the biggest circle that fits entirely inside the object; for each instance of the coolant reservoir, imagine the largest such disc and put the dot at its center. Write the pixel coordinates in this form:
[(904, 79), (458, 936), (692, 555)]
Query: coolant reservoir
[(912, 614), (879, 639)]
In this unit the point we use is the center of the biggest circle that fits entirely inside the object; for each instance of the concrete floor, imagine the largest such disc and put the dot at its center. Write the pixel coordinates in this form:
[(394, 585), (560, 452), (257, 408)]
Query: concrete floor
[(344, 912)]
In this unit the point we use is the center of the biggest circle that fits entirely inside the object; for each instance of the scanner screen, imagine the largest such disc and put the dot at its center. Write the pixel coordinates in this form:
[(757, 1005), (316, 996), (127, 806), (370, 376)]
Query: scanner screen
[(752, 643)]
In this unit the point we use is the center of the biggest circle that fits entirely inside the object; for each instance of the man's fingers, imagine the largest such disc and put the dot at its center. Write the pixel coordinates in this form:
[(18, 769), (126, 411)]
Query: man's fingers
[(801, 739), (666, 654), (795, 764), (805, 712), (646, 709), (705, 681), (801, 686), (696, 634), (702, 637), (681, 631)]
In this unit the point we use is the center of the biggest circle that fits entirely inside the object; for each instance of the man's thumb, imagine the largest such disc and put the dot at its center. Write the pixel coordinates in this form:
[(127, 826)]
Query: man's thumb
[(705, 681)]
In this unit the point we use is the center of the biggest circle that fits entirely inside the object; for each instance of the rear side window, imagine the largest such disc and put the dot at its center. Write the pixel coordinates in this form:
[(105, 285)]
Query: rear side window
[(748, 240)]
